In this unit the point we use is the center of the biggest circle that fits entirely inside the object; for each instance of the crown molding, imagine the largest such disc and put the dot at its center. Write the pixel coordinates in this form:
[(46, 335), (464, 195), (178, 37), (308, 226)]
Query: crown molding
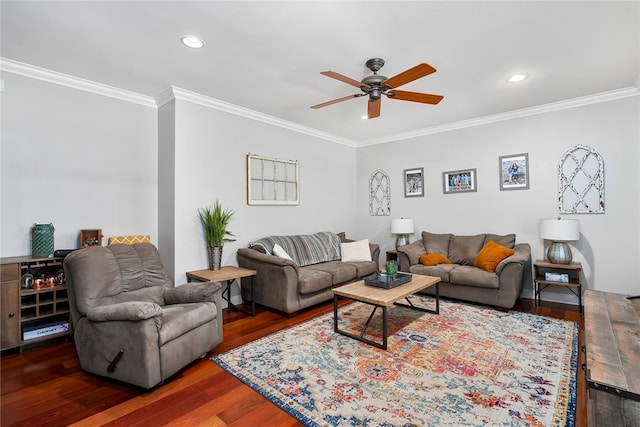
[(195, 98), (525, 112), (173, 92), (26, 70)]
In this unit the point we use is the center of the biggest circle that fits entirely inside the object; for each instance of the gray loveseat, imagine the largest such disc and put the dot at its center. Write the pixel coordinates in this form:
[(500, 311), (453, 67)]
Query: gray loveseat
[(461, 279), (131, 323), (316, 267)]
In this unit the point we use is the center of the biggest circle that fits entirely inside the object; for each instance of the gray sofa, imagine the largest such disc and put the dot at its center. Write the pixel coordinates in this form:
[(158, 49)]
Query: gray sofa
[(131, 323), (461, 279), (316, 267)]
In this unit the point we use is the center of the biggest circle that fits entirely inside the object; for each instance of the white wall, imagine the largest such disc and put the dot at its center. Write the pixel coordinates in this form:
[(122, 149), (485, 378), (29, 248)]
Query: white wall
[(82, 160), (609, 247), (76, 159), (210, 164)]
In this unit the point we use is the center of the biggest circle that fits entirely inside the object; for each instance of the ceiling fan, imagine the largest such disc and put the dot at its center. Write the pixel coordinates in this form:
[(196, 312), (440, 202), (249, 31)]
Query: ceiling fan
[(377, 85)]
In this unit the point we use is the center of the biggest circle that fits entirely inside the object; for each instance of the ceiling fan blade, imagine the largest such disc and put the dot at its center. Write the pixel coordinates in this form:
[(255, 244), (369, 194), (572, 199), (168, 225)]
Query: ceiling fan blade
[(425, 98), (410, 75), (335, 101), (373, 109), (345, 79)]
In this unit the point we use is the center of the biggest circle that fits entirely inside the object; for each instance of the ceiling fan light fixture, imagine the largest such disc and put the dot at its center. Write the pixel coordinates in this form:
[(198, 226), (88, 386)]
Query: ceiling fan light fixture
[(517, 78), (193, 42)]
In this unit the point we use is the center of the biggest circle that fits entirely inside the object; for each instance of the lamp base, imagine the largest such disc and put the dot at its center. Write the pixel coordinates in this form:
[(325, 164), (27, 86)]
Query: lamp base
[(559, 253), (402, 240)]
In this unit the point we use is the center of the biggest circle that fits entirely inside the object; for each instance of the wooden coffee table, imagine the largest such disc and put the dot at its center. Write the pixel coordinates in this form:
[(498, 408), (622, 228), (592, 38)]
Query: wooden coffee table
[(383, 298)]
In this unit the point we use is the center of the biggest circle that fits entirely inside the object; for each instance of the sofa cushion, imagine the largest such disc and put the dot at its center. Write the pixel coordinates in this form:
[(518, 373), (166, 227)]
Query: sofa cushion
[(436, 243), (507, 240), (433, 259), (340, 271), (442, 271), (311, 281), (472, 276), (364, 268), (355, 251), (464, 249), (491, 255)]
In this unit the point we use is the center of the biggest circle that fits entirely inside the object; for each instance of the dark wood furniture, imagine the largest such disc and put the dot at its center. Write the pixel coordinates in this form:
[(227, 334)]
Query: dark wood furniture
[(25, 309), (574, 271), (47, 380), (612, 345)]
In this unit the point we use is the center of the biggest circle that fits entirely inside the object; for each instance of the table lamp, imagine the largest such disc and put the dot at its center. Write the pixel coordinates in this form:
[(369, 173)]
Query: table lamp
[(559, 231), (403, 227)]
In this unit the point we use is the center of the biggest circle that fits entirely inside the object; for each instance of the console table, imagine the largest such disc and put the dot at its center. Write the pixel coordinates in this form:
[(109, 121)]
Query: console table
[(612, 346)]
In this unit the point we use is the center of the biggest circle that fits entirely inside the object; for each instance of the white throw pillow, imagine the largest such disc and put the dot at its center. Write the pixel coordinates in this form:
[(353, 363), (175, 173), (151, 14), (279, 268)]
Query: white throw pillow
[(280, 252), (356, 251)]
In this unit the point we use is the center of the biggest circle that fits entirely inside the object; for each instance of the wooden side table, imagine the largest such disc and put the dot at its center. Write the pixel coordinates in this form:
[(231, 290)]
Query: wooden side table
[(226, 275), (573, 272), (392, 255)]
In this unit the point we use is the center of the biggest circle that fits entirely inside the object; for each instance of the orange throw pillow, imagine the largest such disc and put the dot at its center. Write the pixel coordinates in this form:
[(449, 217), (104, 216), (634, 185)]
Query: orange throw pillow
[(433, 259), (491, 255)]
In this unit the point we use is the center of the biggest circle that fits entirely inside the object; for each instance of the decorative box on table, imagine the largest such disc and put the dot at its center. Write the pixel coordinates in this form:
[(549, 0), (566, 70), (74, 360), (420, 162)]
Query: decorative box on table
[(387, 281)]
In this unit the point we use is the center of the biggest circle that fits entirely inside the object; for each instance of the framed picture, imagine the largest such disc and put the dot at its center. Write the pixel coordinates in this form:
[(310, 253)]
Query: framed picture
[(414, 182), (514, 172), (462, 181), (272, 181)]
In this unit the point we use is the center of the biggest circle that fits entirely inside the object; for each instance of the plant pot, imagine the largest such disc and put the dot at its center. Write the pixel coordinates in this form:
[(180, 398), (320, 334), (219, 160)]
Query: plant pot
[(215, 257)]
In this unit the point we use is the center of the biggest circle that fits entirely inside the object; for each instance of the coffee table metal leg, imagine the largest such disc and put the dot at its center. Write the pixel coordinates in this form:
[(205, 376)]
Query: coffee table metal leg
[(426, 310), (360, 337)]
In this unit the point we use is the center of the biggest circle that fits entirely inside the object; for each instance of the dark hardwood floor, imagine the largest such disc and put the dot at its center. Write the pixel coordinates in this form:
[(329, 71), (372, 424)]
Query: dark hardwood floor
[(45, 386)]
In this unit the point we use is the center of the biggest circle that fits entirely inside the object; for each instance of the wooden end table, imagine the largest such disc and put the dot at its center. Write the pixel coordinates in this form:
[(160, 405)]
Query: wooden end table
[(226, 275), (573, 272), (383, 298)]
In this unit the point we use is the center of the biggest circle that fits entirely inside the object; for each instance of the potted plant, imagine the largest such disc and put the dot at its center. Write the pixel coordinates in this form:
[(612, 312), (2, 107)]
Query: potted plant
[(214, 223)]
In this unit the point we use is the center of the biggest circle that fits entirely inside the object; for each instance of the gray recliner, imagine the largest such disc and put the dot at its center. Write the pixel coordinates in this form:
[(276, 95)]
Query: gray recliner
[(130, 322)]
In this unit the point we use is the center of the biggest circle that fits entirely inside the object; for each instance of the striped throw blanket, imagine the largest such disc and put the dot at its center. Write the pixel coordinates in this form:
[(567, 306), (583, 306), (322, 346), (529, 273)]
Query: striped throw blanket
[(304, 249)]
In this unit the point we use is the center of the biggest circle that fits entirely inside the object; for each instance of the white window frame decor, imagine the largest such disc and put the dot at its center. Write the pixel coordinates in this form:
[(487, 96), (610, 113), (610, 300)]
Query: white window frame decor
[(272, 181), (379, 194), (581, 181)]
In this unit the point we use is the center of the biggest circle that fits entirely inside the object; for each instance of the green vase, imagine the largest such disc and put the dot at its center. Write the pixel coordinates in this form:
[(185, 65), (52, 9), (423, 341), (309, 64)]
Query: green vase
[(42, 240)]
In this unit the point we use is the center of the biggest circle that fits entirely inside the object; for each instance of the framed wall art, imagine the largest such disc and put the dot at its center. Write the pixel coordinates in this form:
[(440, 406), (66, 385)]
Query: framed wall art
[(462, 181), (581, 181), (414, 182), (272, 181), (514, 172)]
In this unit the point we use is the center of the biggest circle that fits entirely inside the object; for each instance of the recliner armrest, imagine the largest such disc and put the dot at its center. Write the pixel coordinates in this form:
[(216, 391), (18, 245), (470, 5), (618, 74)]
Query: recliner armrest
[(192, 292), (130, 310)]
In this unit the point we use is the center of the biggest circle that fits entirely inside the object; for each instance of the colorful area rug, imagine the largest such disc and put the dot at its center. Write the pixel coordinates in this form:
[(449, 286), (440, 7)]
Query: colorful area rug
[(467, 366)]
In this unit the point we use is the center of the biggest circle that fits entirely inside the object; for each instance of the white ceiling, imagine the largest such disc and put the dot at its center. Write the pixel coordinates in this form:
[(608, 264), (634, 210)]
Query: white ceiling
[(267, 56)]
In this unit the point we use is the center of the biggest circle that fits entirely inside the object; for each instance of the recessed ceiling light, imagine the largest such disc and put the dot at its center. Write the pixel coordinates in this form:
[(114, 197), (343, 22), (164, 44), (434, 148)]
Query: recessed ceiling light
[(365, 117), (192, 42), (517, 78)]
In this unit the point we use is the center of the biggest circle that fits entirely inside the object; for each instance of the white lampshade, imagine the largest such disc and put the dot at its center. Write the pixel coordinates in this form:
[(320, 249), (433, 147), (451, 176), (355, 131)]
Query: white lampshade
[(402, 226), (559, 230)]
